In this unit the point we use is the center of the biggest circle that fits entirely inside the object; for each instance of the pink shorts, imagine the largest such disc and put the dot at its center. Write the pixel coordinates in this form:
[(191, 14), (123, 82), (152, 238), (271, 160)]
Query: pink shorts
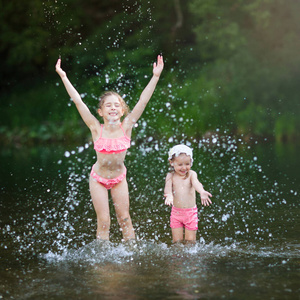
[(108, 183), (184, 217)]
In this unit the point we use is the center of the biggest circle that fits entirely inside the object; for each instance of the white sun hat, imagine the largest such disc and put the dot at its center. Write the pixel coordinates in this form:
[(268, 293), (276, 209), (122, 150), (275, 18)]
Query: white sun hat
[(179, 149)]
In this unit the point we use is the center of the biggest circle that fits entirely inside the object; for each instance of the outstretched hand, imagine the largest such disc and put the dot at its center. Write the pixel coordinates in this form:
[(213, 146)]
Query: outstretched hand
[(169, 199), (158, 66), (205, 198), (59, 70)]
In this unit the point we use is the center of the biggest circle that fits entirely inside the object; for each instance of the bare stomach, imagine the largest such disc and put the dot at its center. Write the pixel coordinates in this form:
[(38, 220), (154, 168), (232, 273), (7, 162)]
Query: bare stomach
[(110, 165), (184, 201)]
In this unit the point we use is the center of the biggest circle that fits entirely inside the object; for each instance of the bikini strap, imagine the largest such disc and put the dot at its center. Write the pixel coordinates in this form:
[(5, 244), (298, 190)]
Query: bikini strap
[(122, 129), (102, 129)]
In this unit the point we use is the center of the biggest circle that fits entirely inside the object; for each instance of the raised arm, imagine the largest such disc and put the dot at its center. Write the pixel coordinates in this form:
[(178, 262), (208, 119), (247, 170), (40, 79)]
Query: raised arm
[(147, 92), (204, 195), (88, 118), (168, 192)]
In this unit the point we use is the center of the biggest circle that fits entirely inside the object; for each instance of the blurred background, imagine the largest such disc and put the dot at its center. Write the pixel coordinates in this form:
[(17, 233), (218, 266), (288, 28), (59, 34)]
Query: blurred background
[(229, 89), (230, 66)]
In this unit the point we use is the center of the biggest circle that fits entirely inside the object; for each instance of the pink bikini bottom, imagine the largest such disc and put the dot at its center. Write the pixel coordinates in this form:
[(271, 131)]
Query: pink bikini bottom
[(108, 183)]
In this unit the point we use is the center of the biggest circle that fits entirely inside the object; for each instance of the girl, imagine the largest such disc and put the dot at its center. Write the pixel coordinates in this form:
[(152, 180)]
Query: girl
[(111, 140), (181, 184)]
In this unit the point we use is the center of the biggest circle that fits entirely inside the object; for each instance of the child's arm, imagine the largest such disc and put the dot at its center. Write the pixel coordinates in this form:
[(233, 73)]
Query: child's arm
[(88, 118), (147, 92), (168, 194), (204, 195)]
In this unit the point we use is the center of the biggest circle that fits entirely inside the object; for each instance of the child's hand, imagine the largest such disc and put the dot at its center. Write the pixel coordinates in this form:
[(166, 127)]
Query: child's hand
[(158, 67), (59, 70), (169, 199), (205, 198)]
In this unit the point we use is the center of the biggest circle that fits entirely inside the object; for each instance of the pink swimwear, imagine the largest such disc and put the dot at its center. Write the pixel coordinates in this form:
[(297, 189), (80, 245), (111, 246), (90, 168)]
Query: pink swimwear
[(115, 145), (108, 183), (110, 146), (184, 217)]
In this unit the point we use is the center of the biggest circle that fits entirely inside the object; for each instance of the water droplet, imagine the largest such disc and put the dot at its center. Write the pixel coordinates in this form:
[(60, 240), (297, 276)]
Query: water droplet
[(67, 154)]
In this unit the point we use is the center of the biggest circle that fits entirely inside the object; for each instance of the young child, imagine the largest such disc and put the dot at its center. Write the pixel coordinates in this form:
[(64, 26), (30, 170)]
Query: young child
[(111, 140), (181, 184)]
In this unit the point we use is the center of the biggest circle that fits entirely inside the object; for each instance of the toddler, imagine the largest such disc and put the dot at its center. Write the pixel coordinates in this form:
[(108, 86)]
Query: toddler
[(180, 186)]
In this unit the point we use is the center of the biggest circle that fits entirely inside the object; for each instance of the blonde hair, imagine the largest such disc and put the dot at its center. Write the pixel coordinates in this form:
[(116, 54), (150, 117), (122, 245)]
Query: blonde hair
[(111, 93)]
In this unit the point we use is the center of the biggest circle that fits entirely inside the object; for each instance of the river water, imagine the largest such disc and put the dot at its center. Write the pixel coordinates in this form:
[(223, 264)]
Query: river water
[(247, 243)]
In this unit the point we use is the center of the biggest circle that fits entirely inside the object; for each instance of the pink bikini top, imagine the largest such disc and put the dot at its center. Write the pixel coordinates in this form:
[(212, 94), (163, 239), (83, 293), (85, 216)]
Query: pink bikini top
[(114, 145)]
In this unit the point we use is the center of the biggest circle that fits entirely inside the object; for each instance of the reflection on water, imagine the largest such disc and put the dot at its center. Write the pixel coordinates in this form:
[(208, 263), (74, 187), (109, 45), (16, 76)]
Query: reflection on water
[(154, 270), (248, 240)]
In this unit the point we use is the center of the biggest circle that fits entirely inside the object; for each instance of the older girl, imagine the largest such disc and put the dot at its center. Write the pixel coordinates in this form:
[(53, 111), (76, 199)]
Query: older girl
[(111, 140)]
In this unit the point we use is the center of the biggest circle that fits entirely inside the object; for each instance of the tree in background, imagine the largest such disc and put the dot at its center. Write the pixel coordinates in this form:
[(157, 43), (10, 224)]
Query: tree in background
[(251, 49), (229, 66)]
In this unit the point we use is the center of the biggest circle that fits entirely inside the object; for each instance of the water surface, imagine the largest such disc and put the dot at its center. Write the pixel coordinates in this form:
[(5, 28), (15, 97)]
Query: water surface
[(247, 244)]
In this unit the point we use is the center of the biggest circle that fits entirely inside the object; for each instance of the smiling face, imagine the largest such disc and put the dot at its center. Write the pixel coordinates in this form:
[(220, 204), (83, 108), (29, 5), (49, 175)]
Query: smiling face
[(107, 94), (181, 164), (111, 109)]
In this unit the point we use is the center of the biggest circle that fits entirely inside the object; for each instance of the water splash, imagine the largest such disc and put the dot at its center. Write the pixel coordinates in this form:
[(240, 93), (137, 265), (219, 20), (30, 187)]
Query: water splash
[(245, 208), (100, 252)]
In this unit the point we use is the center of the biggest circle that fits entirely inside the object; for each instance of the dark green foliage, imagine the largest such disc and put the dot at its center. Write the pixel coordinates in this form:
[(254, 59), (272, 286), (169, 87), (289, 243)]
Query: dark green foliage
[(230, 66)]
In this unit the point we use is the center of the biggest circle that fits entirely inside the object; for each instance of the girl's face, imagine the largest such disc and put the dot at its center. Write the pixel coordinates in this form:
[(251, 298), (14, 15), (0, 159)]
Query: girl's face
[(111, 109), (181, 164)]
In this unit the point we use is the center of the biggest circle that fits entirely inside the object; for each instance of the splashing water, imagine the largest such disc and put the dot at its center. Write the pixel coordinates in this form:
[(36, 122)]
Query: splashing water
[(48, 223), (246, 204), (51, 227)]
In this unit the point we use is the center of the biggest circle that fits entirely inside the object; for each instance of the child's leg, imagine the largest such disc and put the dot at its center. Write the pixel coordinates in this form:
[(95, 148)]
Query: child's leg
[(120, 197), (190, 236), (177, 234), (100, 201)]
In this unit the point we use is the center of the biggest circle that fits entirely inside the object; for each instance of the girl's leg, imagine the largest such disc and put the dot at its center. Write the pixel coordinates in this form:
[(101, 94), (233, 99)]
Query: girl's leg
[(177, 234), (100, 201), (120, 197), (190, 236)]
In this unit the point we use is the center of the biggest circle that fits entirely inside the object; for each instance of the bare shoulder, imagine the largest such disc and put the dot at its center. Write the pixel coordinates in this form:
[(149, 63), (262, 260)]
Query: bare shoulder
[(127, 125), (169, 176), (193, 174)]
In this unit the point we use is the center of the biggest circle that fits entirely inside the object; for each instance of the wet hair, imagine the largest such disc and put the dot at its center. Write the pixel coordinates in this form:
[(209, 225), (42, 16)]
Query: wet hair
[(111, 93)]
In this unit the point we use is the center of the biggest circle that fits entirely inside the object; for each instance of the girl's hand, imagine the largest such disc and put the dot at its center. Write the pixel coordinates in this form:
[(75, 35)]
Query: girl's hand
[(59, 70), (158, 67), (169, 199), (205, 198)]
